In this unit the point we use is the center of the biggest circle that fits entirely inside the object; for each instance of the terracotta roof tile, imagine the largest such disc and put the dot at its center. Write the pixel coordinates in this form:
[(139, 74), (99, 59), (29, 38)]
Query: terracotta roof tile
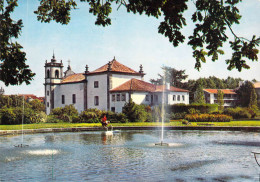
[(139, 85), (31, 96), (78, 77), (115, 67), (135, 85), (160, 88), (215, 91)]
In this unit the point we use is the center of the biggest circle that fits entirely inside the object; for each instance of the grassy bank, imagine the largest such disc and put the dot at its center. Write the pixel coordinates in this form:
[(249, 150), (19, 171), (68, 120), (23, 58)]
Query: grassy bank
[(172, 123)]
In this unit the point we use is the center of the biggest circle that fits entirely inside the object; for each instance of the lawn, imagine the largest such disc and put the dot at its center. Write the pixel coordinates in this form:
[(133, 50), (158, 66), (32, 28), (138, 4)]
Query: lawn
[(172, 123)]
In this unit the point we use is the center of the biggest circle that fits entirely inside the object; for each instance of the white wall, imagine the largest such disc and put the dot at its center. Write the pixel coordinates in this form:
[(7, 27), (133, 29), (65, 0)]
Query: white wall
[(118, 104), (101, 91), (47, 99), (181, 94), (118, 79), (67, 90), (139, 98)]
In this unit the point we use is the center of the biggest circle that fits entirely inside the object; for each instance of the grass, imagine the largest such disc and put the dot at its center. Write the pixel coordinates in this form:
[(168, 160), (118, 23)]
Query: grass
[(172, 123)]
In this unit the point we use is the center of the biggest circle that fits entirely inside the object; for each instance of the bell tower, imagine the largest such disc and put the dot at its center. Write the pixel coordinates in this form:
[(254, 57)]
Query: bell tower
[(53, 76)]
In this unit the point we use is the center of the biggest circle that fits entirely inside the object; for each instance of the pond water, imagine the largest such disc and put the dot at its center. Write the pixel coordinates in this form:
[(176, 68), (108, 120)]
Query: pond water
[(131, 156)]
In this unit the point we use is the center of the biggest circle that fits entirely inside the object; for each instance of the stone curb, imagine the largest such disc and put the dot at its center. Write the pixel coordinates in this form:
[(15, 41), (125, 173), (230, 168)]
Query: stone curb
[(209, 128)]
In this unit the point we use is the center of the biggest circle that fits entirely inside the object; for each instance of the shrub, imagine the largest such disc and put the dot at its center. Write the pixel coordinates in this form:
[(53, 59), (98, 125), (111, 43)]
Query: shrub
[(185, 122), (193, 111), (201, 108), (238, 113), (208, 118), (16, 115), (175, 116), (89, 117), (8, 116), (135, 112), (65, 114), (53, 119)]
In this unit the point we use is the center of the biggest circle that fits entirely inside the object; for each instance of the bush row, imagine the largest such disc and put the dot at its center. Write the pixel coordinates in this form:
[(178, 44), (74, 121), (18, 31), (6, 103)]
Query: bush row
[(208, 118), (241, 113), (15, 115), (201, 108)]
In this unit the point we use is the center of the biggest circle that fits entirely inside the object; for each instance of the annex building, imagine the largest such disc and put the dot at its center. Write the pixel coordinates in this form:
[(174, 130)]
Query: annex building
[(106, 88)]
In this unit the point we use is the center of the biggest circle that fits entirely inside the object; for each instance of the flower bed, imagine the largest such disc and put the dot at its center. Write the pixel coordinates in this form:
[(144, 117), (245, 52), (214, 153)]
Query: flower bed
[(208, 118)]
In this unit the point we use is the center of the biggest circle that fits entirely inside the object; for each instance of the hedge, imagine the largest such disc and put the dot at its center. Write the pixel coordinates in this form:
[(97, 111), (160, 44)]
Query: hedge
[(240, 113), (208, 118), (202, 108)]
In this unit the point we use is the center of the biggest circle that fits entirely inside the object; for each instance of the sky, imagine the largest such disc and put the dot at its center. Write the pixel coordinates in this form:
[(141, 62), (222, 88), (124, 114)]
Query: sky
[(132, 39)]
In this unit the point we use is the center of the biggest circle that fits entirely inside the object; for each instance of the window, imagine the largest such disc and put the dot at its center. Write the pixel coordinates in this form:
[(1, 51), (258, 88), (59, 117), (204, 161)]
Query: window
[(96, 101), (48, 73), (48, 104), (178, 97), (147, 98), (113, 109), (57, 74), (183, 98), (123, 97), (174, 97), (48, 93), (73, 98), (117, 97), (95, 84), (113, 98), (63, 99)]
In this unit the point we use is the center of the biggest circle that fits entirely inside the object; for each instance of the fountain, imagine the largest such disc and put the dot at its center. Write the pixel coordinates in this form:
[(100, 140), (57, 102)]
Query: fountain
[(22, 145), (163, 113)]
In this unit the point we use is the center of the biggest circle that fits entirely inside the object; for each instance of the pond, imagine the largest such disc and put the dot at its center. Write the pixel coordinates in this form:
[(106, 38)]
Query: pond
[(131, 156)]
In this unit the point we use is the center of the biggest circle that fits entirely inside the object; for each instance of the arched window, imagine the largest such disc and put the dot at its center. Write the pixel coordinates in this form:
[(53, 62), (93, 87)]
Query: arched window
[(48, 73), (57, 74)]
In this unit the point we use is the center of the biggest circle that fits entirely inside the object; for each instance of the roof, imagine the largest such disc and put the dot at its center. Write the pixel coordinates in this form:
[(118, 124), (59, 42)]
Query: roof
[(257, 84), (31, 96), (78, 77), (215, 91), (161, 88), (115, 67), (139, 85), (135, 85)]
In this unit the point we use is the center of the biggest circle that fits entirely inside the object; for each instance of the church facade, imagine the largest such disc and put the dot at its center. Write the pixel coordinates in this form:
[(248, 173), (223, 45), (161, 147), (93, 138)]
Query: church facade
[(106, 88)]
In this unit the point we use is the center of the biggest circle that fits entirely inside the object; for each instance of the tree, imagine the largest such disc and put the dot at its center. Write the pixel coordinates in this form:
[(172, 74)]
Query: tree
[(199, 95), (37, 105), (212, 19), (172, 76), (13, 69), (247, 94), (134, 112), (220, 100)]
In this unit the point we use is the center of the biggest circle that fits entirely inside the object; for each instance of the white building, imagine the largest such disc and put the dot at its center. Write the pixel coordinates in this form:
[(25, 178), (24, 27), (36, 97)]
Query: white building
[(229, 97), (106, 88)]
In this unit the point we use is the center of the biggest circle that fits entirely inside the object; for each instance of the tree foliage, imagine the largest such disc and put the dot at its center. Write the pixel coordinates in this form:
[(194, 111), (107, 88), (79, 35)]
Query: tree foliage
[(135, 112), (212, 20), (13, 69), (220, 100), (199, 95), (172, 76), (247, 94)]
